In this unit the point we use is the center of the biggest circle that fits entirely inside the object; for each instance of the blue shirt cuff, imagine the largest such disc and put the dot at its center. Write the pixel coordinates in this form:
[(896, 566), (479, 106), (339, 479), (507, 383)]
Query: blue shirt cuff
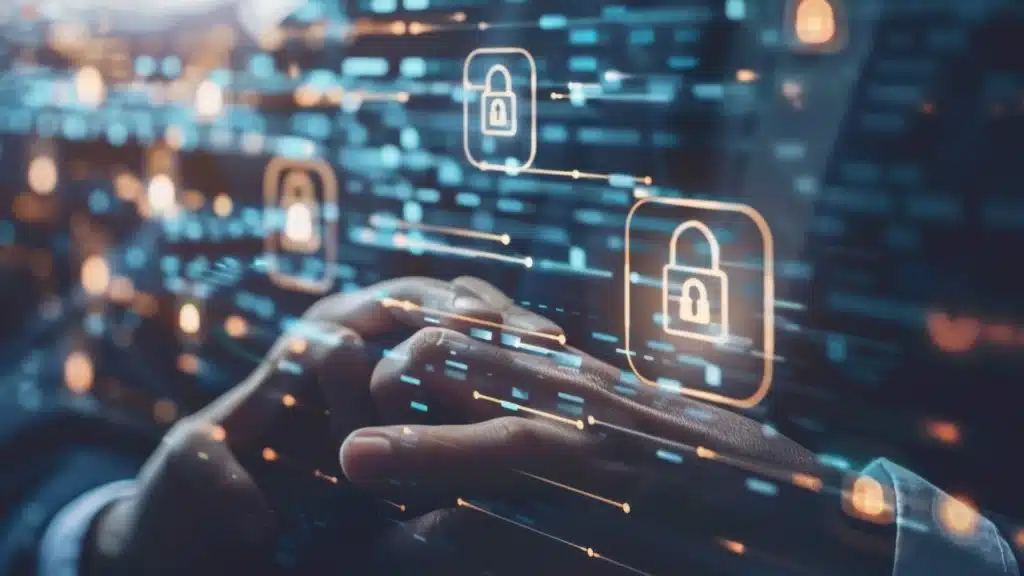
[(928, 542), (60, 551)]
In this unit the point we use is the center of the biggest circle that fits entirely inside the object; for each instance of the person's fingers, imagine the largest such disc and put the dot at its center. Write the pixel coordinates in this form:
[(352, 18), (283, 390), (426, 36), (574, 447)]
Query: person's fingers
[(468, 380), (526, 324), (294, 378), (197, 504), (491, 457), (412, 301)]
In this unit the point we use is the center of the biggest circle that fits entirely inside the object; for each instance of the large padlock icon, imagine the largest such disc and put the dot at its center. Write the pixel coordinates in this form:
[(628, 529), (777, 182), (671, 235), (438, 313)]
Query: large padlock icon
[(690, 308), (498, 109), (301, 211)]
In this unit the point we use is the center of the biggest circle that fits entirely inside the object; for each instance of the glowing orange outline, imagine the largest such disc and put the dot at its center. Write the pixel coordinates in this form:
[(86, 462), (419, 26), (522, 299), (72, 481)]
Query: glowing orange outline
[(769, 296), (468, 86), (271, 197)]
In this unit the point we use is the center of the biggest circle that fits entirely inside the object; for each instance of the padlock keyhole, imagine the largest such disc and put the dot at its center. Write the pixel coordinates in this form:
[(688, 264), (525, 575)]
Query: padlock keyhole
[(697, 311)]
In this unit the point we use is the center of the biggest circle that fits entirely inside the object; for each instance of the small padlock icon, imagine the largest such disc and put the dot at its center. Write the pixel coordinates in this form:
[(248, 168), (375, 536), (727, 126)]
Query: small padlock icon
[(687, 302), (301, 211), (498, 110), (696, 310)]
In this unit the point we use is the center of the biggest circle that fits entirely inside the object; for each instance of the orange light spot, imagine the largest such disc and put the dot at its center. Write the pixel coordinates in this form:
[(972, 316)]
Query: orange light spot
[(188, 363), (165, 411), (746, 76), (945, 432), (958, 515), (703, 452), (288, 400), (95, 275), (734, 547), (78, 372), (815, 22), (219, 434), (807, 482), (236, 326), (298, 345), (953, 335), (867, 497), (269, 454), (189, 319), (42, 175)]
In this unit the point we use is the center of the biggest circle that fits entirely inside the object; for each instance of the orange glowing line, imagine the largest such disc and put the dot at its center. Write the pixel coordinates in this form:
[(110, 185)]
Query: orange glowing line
[(519, 407), (624, 506), (377, 222), (574, 174), (588, 551), (403, 241), (799, 479), (467, 504), (414, 307)]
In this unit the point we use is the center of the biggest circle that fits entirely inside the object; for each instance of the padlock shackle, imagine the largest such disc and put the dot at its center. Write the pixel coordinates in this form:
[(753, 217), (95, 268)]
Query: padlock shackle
[(489, 82), (708, 235)]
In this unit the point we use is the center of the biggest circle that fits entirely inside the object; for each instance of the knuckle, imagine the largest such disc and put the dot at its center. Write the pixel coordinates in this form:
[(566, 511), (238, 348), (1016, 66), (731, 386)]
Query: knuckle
[(516, 433)]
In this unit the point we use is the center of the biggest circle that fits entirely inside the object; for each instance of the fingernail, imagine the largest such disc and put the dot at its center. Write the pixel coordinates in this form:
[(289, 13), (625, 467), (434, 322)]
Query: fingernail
[(366, 456)]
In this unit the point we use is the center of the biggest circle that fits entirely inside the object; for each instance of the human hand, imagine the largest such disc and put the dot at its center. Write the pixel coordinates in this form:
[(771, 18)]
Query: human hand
[(197, 508), (507, 440)]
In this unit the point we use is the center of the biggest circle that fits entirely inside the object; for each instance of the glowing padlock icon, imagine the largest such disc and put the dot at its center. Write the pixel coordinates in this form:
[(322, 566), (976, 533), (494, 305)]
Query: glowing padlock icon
[(498, 114), (301, 213), (696, 310), (694, 317)]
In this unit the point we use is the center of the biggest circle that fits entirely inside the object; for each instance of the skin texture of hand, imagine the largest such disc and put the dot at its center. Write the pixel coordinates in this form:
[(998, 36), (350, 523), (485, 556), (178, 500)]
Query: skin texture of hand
[(471, 450), (198, 510)]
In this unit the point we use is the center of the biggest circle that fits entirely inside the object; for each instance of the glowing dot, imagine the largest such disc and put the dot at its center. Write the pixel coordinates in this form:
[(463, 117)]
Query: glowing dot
[(269, 454), (576, 174), (42, 175), (189, 319), (528, 262), (579, 424), (298, 346), (476, 395), (161, 192), (648, 180), (89, 86), (483, 25), (236, 326), (95, 275), (868, 497), (815, 22), (218, 433), (209, 99), (626, 507), (746, 75), (734, 547), (591, 420), (78, 372), (945, 432), (459, 17), (506, 239), (1018, 539), (561, 339), (958, 516), (288, 400), (165, 411), (403, 97), (299, 223), (307, 96), (222, 205), (590, 552), (398, 28), (188, 363)]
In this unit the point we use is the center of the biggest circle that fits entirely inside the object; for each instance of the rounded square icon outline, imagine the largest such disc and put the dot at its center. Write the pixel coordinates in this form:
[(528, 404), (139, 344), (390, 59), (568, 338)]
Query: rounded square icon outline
[(768, 352), (271, 198), (468, 86)]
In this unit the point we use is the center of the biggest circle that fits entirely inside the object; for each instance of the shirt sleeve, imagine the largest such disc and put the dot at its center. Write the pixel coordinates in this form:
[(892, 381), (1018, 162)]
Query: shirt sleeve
[(926, 541), (60, 551)]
